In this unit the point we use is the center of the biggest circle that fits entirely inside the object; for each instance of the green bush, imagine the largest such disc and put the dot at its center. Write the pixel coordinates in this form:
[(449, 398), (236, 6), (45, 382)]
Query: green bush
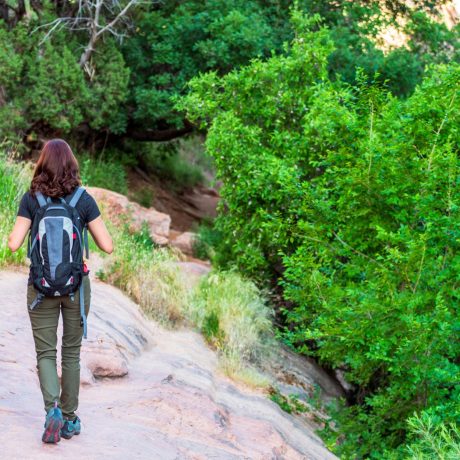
[(349, 198), (428, 439), (44, 90)]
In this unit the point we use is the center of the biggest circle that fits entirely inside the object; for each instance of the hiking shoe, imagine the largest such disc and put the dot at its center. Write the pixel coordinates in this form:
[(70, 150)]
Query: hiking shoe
[(70, 428), (53, 424)]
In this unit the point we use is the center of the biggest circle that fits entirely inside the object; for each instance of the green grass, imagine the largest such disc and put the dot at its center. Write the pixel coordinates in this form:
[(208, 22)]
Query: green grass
[(110, 174), (14, 181), (206, 241), (228, 310), (233, 316), (145, 272), (211, 329)]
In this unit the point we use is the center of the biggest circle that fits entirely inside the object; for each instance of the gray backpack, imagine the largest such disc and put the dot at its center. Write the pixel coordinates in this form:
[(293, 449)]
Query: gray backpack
[(56, 240)]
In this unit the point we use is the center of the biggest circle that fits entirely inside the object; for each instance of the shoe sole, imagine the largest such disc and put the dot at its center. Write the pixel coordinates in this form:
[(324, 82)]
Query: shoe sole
[(67, 436), (52, 432)]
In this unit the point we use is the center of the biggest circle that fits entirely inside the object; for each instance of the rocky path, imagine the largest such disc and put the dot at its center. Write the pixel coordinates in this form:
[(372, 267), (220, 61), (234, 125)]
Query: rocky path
[(147, 393)]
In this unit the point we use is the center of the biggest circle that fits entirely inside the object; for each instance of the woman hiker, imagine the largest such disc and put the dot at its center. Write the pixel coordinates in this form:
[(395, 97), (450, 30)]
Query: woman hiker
[(57, 211)]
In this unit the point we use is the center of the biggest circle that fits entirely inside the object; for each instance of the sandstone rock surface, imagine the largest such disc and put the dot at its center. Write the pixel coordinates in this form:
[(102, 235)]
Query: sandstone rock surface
[(172, 403), (184, 242), (119, 207)]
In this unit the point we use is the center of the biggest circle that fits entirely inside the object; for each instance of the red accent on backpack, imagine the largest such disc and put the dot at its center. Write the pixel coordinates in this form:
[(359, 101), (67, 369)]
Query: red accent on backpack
[(85, 268)]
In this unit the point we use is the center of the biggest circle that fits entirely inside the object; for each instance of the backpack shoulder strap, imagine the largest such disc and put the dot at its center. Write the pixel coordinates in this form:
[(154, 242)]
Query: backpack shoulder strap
[(76, 196), (41, 199), (73, 202)]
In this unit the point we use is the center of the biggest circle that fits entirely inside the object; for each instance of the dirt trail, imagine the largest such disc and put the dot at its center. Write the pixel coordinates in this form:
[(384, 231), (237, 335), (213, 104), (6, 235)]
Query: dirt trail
[(172, 404)]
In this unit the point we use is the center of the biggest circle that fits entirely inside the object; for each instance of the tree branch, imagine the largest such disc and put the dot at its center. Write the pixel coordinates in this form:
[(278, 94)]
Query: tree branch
[(96, 30), (88, 17)]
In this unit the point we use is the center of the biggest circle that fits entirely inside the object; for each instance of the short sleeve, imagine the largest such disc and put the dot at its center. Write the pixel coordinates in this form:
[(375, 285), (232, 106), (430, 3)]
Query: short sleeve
[(91, 209), (25, 206)]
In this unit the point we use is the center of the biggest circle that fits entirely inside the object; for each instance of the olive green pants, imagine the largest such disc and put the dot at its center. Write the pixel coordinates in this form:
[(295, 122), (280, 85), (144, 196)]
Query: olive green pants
[(44, 320)]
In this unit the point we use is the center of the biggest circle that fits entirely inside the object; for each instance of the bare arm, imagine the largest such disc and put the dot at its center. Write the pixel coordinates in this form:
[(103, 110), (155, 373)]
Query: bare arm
[(19, 233), (101, 235)]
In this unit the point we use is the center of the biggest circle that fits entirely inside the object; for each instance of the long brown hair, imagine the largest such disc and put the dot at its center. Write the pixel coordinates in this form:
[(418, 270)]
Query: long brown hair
[(56, 172)]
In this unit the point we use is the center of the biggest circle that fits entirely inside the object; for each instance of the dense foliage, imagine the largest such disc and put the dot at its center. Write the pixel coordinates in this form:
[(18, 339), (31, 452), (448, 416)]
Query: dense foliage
[(179, 40), (126, 88), (44, 90), (349, 197)]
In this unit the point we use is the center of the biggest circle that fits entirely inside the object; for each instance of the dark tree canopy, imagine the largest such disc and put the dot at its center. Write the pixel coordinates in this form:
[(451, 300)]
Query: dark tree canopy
[(131, 73)]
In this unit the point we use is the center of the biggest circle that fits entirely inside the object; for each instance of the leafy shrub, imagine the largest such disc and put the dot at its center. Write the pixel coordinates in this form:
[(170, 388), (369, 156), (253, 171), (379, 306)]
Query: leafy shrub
[(256, 137), (348, 197)]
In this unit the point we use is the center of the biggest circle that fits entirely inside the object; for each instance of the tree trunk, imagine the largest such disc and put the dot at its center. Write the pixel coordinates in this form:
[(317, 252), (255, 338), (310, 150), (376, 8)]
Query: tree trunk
[(4, 12)]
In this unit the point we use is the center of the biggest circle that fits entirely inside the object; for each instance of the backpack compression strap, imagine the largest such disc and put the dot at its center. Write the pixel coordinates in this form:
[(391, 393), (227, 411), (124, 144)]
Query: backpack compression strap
[(38, 298)]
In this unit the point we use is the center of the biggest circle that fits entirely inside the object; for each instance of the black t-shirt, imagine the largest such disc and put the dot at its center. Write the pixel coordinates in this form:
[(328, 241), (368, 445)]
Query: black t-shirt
[(86, 207)]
